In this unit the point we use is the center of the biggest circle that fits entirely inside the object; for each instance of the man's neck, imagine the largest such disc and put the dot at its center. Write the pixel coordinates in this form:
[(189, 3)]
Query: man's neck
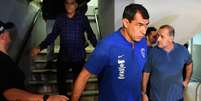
[(169, 48), (3, 49), (126, 35), (70, 15)]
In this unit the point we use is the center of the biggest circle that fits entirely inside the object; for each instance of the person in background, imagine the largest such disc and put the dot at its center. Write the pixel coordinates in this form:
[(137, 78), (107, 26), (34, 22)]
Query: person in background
[(118, 59), (70, 26), (186, 45), (151, 36), (12, 86), (50, 10), (184, 70), (164, 68)]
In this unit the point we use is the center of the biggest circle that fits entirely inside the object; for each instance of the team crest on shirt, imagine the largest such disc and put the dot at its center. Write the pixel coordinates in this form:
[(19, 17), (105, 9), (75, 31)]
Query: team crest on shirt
[(121, 67), (142, 51)]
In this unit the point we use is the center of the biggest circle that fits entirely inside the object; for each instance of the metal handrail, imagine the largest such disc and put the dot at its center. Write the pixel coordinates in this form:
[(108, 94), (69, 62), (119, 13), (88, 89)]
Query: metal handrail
[(197, 92), (97, 22)]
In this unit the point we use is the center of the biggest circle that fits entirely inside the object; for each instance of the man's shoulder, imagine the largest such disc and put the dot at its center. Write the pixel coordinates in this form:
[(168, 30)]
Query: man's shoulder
[(181, 48), (179, 45), (111, 38), (5, 60), (61, 16), (80, 13)]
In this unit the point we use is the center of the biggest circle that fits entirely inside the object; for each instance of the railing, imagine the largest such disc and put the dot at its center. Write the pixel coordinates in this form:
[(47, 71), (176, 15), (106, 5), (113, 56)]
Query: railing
[(198, 90), (97, 22)]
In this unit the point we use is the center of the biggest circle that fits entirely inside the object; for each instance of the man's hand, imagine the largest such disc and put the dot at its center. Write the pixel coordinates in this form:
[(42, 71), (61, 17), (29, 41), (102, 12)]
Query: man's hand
[(35, 51), (58, 98), (145, 97), (185, 83)]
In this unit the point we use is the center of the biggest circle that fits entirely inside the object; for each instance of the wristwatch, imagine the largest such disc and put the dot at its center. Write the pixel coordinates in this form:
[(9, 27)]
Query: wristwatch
[(45, 97)]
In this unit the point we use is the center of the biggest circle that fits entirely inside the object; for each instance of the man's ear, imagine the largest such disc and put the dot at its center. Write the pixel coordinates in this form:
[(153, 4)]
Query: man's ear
[(172, 38), (3, 36), (125, 22)]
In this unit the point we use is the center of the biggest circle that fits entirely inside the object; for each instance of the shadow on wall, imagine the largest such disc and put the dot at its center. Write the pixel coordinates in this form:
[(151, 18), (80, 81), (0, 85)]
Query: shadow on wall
[(165, 20), (183, 16)]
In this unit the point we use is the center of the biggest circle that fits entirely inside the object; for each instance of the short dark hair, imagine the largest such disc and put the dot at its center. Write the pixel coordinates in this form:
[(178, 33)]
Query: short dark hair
[(170, 28), (149, 29), (131, 10), (186, 45)]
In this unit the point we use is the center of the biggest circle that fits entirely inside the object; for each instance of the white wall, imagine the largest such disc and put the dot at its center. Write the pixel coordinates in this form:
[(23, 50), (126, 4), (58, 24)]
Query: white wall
[(111, 14), (184, 16), (106, 16), (119, 8)]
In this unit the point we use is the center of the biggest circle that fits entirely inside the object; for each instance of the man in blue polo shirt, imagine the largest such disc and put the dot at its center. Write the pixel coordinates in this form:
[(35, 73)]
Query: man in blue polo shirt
[(118, 59), (164, 67)]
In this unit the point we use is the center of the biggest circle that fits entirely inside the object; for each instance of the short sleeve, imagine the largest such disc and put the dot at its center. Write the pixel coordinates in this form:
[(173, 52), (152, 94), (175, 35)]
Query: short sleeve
[(148, 63), (188, 58), (98, 59)]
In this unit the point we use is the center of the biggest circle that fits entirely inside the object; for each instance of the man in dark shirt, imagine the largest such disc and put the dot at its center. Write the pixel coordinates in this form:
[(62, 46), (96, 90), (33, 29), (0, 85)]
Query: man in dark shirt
[(12, 86), (151, 36), (50, 10), (164, 68), (71, 27)]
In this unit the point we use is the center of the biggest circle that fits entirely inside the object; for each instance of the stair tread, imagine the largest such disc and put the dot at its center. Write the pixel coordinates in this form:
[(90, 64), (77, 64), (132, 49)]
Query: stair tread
[(91, 80), (85, 93)]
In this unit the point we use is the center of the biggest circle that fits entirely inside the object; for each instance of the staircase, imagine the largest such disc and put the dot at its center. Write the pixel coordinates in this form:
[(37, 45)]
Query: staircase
[(43, 79)]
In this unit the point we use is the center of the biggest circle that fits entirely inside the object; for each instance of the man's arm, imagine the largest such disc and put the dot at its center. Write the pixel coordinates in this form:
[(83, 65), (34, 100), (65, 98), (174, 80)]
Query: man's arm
[(145, 79), (189, 69), (48, 40), (90, 34), (80, 84), (14, 94)]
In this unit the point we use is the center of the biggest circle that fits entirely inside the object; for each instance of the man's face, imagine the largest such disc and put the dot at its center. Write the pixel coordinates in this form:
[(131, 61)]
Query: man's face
[(137, 27), (5, 36), (70, 6), (163, 38), (153, 36)]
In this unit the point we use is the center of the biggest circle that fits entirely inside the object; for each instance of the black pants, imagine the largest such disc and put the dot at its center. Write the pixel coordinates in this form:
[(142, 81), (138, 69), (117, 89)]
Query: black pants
[(62, 73)]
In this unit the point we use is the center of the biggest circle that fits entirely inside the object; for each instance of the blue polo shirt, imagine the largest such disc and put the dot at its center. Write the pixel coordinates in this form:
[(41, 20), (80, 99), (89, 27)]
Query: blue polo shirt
[(118, 67), (166, 80)]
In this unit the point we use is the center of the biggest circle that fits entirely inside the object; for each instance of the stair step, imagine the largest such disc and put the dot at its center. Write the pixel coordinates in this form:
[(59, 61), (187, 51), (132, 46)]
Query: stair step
[(43, 70), (91, 80), (85, 93)]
